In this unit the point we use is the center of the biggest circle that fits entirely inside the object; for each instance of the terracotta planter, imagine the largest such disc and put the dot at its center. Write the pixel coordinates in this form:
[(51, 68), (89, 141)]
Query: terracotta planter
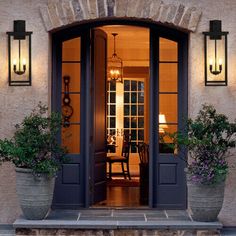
[(34, 193), (205, 201)]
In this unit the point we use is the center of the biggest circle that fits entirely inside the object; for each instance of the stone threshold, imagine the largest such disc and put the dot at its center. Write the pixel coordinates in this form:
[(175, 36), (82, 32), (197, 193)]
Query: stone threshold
[(86, 224), (113, 219)]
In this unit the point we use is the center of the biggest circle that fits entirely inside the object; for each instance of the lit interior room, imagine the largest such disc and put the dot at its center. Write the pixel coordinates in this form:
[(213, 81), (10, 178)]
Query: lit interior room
[(128, 107)]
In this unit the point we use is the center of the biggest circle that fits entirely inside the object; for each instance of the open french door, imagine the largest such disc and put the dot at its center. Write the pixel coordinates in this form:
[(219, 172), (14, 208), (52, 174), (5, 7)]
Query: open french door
[(98, 129), (69, 69)]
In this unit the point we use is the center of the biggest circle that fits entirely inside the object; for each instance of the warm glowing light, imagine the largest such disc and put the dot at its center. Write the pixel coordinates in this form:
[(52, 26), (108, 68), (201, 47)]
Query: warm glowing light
[(14, 62), (115, 65), (20, 68), (211, 62), (24, 61), (220, 61), (162, 123)]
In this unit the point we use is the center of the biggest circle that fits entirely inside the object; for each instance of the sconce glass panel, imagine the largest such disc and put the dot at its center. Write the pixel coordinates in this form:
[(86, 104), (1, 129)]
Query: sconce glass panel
[(215, 45), (19, 58)]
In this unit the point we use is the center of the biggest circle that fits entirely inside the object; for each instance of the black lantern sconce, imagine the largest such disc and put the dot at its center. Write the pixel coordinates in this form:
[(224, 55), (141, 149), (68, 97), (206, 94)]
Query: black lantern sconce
[(19, 55), (215, 49)]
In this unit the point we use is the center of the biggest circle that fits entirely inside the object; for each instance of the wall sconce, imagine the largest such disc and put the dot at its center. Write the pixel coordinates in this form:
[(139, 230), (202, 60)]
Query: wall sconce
[(215, 50), (19, 55)]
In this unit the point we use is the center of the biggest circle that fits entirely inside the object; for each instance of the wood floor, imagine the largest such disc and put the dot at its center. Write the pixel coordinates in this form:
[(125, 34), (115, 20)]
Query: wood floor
[(122, 193), (121, 197)]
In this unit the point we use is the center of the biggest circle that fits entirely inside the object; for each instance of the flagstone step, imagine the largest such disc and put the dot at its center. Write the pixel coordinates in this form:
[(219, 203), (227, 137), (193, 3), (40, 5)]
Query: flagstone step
[(7, 230), (117, 222)]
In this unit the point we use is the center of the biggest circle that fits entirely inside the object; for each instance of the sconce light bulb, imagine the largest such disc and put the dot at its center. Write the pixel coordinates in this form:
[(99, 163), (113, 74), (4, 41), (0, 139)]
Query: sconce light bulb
[(24, 61), (220, 61), (14, 62), (211, 62)]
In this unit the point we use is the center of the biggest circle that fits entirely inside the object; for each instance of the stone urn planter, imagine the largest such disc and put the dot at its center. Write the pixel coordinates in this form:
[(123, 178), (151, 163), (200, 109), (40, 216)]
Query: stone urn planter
[(35, 193), (205, 201)]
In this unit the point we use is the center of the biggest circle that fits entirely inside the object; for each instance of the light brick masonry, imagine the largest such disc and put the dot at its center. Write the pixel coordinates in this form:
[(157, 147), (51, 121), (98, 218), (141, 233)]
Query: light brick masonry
[(59, 13)]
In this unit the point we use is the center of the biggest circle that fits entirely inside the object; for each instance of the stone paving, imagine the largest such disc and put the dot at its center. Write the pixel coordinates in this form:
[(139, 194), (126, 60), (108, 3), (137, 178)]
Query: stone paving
[(117, 222), (114, 217), (6, 230)]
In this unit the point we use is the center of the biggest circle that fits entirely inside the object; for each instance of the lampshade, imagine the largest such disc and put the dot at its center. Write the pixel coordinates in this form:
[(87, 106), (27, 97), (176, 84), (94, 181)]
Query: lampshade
[(162, 123), (115, 65)]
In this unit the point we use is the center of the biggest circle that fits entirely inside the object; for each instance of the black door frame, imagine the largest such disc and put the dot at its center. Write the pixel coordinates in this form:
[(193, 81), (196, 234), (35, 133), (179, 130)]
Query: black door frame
[(182, 40), (86, 118)]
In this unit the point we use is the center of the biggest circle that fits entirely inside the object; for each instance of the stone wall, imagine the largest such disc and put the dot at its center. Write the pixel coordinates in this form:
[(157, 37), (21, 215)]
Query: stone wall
[(59, 12), (45, 15), (119, 232)]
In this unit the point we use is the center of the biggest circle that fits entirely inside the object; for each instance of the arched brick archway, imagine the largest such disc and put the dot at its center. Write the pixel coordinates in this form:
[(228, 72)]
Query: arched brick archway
[(58, 16), (59, 13)]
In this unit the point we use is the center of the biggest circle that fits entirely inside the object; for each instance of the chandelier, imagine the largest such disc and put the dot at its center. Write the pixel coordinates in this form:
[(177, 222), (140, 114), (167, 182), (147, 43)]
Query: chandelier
[(115, 65)]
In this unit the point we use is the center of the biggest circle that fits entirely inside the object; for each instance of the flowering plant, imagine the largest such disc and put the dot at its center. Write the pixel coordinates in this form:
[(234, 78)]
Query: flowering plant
[(34, 144), (208, 139)]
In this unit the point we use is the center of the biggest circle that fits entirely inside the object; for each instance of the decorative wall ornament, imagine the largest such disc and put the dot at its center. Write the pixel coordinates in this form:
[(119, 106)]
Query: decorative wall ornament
[(67, 109)]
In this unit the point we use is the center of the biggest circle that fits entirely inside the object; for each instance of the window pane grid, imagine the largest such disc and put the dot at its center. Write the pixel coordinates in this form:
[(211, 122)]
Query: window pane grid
[(168, 92), (111, 108), (134, 111)]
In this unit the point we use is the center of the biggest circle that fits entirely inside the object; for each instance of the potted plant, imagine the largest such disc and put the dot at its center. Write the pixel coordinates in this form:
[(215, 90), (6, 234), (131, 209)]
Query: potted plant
[(37, 156), (208, 140)]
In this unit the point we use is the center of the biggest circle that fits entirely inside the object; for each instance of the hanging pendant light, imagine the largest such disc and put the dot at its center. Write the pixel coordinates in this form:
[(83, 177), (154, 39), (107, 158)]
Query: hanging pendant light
[(115, 65)]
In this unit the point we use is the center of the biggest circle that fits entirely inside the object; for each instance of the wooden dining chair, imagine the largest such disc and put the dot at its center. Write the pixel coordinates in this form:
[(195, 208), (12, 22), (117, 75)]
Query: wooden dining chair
[(143, 150), (123, 159)]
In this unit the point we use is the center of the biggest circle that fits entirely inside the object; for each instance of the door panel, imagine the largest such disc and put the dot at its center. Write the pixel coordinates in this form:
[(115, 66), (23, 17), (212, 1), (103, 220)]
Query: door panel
[(168, 174), (69, 188), (99, 125)]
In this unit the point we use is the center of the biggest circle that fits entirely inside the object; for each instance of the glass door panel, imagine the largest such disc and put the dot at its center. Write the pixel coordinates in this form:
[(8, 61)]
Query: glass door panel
[(71, 74), (167, 77), (168, 50), (168, 92)]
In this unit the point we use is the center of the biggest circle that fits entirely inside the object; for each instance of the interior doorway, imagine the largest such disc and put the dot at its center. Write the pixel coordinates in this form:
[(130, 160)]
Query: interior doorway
[(127, 113)]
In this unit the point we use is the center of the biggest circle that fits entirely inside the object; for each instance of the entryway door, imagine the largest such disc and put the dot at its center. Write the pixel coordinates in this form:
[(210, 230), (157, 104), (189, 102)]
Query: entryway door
[(80, 53), (98, 191), (84, 132), (168, 98)]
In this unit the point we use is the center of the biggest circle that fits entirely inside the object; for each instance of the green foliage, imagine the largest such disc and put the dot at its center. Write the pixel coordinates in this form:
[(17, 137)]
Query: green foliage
[(208, 138), (34, 144)]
